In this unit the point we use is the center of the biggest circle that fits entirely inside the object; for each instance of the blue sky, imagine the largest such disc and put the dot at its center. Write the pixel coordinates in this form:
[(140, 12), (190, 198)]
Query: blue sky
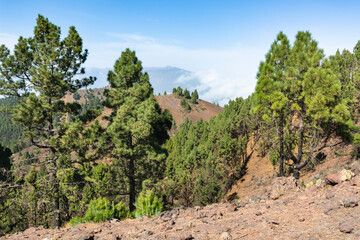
[(222, 42)]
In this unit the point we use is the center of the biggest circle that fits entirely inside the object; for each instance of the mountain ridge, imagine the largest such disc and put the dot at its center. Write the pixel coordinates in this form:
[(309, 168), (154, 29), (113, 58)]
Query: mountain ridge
[(201, 110), (161, 78)]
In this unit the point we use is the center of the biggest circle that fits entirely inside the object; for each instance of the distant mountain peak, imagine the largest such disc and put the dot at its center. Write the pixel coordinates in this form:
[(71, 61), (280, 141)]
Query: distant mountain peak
[(161, 78)]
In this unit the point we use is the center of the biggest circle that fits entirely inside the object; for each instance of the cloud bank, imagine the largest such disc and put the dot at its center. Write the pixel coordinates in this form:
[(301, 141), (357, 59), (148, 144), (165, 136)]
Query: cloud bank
[(220, 74), (223, 74)]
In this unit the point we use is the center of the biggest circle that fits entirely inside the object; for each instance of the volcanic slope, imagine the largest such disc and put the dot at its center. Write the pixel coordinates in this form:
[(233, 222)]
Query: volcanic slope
[(201, 110)]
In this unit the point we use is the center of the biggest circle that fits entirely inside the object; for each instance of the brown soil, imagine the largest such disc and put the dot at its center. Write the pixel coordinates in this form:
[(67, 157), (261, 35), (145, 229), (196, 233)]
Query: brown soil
[(201, 110), (328, 212), (260, 171), (82, 92)]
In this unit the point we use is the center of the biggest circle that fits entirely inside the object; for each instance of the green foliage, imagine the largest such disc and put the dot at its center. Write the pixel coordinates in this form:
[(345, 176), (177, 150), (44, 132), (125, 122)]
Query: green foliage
[(11, 135), (137, 127), (179, 91), (186, 94), (5, 163), (76, 96), (39, 74), (346, 64), (210, 183), (100, 210), (194, 96), (148, 204), (299, 94), (5, 158), (91, 108), (185, 104), (206, 158)]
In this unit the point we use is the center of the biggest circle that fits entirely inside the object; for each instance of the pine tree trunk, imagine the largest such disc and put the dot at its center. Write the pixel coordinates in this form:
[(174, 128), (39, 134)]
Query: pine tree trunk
[(281, 153), (132, 193), (56, 203), (35, 212), (296, 173), (57, 222), (296, 170)]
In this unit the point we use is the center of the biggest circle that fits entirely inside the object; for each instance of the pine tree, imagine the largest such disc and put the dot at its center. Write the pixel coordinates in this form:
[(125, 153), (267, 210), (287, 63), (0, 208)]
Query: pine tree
[(76, 96), (137, 127), (179, 91), (347, 65), (40, 72), (194, 96), (302, 88), (186, 93), (271, 94)]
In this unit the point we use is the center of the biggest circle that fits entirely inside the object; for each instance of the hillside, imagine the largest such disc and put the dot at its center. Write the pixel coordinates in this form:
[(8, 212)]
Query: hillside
[(318, 212), (202, 110)]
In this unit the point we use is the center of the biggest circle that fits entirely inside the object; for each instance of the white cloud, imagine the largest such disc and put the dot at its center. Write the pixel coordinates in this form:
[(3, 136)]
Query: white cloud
[(8, 39), (133, 38), (224, 73)]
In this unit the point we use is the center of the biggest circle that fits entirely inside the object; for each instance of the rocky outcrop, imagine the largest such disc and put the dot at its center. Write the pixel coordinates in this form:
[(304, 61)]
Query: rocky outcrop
[(282, 185), (342, 176)]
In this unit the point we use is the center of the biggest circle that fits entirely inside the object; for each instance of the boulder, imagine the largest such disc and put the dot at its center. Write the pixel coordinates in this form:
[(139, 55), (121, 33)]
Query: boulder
[(282, 185), (86, 237), (332, 179), (356, 167), (347, 226), (342, 176), (351, 202), (319, 183), (225, 236), (346, 175)]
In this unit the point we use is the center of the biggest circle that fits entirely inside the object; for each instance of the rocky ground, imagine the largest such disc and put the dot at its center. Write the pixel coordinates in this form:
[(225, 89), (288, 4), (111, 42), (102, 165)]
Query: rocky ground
[(328, 209)]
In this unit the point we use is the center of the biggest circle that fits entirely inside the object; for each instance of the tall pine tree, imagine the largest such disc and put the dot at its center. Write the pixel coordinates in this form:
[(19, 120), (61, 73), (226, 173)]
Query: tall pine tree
[(271, 95), (42, 69), (308, 93), (137, 127)]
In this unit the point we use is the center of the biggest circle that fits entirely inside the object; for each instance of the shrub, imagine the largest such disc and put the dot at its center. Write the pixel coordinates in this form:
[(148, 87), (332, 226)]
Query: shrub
[(185, 104), (148, 204), (211, 183), (186, 93), (179, 91), (77, 220), (100, 210), (76, 96)]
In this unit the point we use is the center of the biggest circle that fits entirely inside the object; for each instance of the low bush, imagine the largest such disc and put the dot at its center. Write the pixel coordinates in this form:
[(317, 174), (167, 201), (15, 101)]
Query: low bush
[(148, 204), (100, 210)]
